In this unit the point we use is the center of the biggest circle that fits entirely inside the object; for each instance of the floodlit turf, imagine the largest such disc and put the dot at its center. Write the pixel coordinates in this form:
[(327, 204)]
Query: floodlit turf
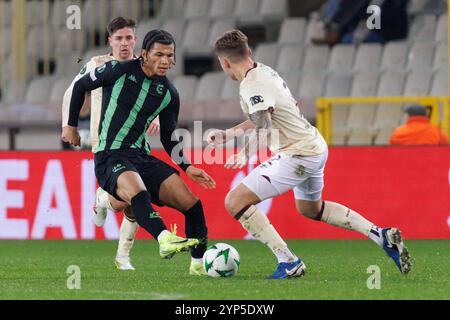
[(336, 270)]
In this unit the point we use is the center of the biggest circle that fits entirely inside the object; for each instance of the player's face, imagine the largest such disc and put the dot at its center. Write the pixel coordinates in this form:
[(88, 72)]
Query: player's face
[(122, 43), (160, 58), (226, 67)]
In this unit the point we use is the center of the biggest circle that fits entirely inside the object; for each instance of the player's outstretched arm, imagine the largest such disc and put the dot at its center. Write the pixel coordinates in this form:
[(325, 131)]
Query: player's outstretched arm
[(216, 136), (262, 122)]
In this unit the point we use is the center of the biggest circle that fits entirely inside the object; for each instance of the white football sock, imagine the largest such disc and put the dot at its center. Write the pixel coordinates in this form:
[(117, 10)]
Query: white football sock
[(198, 260), (127, 232), (340, 216), (375, 235), (103, 200), (162, 235), (256, 222)]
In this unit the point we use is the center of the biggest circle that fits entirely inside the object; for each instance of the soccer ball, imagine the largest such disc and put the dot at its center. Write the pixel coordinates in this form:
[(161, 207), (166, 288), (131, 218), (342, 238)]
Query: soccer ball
[(221, 260)]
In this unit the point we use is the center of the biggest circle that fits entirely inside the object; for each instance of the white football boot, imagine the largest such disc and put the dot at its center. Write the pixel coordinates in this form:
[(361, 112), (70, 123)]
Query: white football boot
[(123, 263), (100, 211)]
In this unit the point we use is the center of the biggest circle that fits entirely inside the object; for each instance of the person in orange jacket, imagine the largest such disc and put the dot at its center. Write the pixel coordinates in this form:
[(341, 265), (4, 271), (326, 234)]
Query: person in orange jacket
[(418, 129)]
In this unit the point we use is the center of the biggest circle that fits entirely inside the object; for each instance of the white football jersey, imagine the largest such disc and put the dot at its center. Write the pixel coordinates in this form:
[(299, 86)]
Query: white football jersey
[(96, 97), (263, 88)]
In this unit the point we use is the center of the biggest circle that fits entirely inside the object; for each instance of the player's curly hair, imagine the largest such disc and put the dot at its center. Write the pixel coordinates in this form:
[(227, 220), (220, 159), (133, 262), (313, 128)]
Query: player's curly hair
[(232, 44)]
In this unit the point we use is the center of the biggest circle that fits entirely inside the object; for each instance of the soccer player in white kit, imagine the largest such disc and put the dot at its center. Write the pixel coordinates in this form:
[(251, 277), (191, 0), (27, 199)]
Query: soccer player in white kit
[(122, 39), (299, 161)]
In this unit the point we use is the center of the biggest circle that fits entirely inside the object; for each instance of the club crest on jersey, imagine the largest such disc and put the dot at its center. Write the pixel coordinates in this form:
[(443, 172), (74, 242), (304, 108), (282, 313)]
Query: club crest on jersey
[(256, 99)]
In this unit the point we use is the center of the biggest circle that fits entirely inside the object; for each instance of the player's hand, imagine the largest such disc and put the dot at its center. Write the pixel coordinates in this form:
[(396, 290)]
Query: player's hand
[(216, 137), (201, 177), (236, 161), (153, 128), (70, 134)]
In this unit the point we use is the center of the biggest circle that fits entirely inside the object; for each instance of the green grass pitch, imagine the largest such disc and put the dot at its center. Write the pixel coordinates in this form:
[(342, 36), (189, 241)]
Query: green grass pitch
[(337, 269)]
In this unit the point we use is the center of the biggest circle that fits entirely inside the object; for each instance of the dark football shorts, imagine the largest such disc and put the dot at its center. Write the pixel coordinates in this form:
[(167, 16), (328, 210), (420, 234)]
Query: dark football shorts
[(110, 164)]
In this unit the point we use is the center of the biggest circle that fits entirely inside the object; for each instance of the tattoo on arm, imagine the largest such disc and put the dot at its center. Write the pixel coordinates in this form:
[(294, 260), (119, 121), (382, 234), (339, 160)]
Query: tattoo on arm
[(262, 119)]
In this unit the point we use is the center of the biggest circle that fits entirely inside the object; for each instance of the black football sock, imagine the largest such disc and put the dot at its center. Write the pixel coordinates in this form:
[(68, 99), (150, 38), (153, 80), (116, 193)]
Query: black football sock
[(146, 216), (196, 228)]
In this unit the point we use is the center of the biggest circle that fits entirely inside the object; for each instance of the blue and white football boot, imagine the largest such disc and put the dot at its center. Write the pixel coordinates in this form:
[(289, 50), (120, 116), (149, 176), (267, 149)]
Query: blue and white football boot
[(289, 270), (394, 247)]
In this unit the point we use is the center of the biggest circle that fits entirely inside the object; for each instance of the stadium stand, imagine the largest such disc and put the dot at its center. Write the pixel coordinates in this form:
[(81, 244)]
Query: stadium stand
[(415, 66)]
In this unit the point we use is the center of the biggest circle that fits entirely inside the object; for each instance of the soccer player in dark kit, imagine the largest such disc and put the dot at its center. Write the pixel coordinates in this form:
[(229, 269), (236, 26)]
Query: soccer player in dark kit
[(134, 93)]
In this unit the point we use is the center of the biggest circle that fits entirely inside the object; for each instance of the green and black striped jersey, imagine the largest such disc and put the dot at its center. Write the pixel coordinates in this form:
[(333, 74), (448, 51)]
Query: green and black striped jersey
[(131, 100)]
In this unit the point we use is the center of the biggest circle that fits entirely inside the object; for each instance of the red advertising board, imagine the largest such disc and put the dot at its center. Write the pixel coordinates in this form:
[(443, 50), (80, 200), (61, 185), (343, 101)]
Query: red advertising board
[(49, 195)]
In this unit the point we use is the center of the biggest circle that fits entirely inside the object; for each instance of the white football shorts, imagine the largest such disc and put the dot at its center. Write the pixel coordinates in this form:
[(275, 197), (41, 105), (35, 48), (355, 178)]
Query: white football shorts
[(285, 172)]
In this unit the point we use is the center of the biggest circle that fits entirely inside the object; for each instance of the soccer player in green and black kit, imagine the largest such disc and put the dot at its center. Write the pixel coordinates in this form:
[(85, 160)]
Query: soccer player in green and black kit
[(134, 93)]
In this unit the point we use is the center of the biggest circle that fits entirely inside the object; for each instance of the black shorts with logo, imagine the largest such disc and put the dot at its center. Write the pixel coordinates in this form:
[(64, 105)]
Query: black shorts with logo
[(110, 164)]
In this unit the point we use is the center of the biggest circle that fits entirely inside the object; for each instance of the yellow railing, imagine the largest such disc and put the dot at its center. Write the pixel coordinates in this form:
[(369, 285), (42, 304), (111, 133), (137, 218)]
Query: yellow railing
[(440, 114)]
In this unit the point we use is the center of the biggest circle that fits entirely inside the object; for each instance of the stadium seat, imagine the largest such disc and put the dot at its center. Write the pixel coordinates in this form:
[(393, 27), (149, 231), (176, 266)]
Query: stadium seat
[(441, 56), (171, 9), (6, 37), (364, 83), (442, 28), (230, 90), (195, 9), (59, 88), (96, 51), (41, 38), (292, 79), (360, 138), (416, 6), (38, 90), (394, 55), (439, 86), (338, 84), (36, 13), (221, 9), (383, 137), (195, 37), (418, 83), (69, 41), (186, 86), (142, 29), (290, 58), (311, 86), (420, 56), (14, 92), (292, 30), (388, 115), (176, 28), (245, 8), (58, 14), (218, 28), (96, 15), (368, 56), (45, 139), (6, 7), (341, 57), (267, 53), (4, 139), (316, 58), (423, 28), (209, 86), (314, 29), (127, 8), (274, 9)]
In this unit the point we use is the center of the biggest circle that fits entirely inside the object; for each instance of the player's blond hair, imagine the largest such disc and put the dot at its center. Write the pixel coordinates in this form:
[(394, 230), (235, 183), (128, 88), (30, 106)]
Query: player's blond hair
[(232, 44)]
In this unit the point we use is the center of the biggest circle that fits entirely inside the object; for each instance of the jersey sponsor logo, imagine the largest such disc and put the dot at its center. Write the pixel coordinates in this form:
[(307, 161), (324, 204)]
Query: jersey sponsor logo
[(132, 78), (118, 167), (256, 99)]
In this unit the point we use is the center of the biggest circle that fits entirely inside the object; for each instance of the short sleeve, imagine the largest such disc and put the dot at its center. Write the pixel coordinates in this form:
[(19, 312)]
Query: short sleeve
[(257, 97)]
